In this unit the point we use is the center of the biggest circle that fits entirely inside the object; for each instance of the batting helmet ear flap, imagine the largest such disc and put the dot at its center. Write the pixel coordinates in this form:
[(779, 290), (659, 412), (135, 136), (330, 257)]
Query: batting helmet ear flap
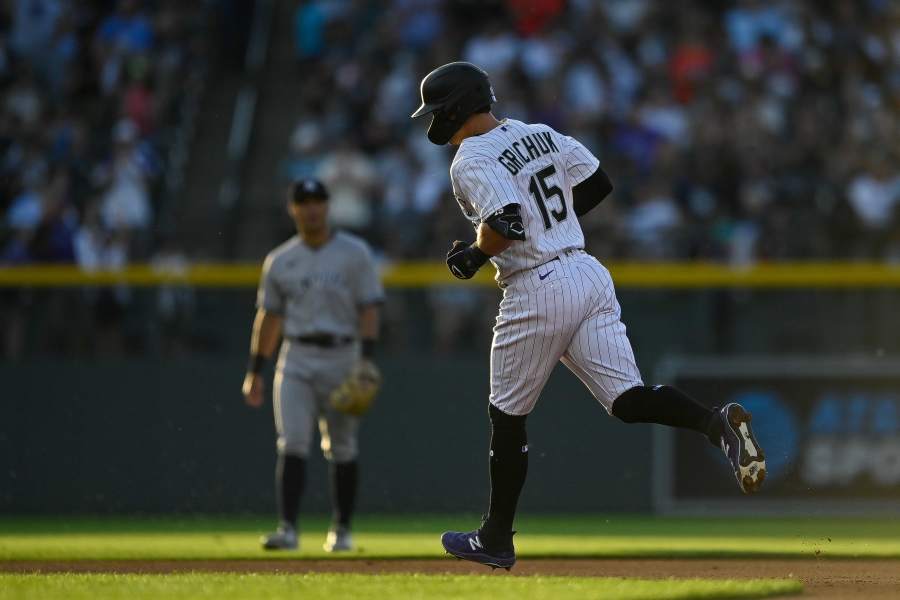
[(440, 131), (442, 128)]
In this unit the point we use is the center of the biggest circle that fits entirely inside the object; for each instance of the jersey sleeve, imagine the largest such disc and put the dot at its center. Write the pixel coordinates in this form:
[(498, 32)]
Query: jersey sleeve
[(580, 162), (485, 186), (369, 289), (269, 297)]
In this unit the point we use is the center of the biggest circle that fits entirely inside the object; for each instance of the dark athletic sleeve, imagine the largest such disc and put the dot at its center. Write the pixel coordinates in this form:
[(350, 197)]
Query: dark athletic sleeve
[(590, 192)]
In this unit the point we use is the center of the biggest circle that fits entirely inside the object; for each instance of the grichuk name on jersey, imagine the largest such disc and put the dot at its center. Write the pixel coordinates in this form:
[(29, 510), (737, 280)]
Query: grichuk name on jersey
[(528, 148)]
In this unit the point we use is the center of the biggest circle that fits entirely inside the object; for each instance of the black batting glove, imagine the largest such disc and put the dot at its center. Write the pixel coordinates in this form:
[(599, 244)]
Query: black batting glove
[(464, 260)]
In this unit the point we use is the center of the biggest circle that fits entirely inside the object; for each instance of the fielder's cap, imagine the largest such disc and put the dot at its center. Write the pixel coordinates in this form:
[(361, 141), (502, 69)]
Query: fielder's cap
[(306, 188)]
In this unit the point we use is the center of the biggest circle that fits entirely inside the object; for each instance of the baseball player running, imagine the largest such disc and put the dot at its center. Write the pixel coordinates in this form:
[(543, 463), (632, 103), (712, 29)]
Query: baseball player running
[(523, 187), (320, 293)]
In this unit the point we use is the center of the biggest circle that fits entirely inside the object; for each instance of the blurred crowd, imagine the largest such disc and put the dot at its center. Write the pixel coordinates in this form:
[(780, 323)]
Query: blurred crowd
[(90, 93), (89, 108), (733, 130)]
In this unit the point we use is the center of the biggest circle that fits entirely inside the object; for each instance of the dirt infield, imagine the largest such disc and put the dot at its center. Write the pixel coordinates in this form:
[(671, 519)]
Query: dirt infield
[(822, 578)]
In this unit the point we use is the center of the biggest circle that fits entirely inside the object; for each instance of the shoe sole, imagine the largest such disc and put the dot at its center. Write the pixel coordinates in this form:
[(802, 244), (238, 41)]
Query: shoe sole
[(266, 545), (752, 468), (279, 547), (488, 563)]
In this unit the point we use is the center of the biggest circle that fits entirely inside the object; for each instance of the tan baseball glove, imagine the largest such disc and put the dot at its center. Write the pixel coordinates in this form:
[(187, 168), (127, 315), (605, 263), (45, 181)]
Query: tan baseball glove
[(356, 394)]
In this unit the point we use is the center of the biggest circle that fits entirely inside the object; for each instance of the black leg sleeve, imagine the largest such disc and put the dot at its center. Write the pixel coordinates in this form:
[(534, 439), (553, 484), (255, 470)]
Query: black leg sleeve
[(666, 405), (508, 467), (290, 477), (344, 477)]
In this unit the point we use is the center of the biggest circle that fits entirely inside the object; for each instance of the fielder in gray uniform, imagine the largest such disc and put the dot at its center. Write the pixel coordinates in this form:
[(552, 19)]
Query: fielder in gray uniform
[(523, 187), (320, 294)]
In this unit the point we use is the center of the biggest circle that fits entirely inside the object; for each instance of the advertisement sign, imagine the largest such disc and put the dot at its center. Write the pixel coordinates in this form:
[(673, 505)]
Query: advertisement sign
[(830, 430)]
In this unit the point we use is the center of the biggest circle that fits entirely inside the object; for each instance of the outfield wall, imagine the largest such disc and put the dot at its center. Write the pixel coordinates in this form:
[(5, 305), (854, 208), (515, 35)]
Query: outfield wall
[(165, 429), (124, 436)]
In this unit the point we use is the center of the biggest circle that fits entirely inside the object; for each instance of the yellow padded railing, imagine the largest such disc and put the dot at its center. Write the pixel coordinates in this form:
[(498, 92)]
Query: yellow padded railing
[(428, 274)]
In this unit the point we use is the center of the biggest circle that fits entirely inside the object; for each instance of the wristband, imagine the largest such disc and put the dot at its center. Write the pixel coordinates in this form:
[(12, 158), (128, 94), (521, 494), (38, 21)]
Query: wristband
[(256, 363), (464, 261), (368, 348)]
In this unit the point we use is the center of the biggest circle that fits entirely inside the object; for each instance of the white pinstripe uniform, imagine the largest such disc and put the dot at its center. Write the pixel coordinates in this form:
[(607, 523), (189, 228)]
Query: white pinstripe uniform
[(558, 303)]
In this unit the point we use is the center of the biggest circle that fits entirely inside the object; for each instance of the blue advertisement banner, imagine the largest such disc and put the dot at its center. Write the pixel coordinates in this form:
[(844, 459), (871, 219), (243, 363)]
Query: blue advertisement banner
[(830, 430)]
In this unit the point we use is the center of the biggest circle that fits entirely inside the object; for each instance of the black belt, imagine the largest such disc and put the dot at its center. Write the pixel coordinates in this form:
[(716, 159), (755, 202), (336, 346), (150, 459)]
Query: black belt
[(323, 340)]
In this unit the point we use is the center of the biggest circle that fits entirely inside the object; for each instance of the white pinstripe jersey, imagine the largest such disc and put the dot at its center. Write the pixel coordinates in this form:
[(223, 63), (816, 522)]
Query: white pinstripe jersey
[(531, 165)]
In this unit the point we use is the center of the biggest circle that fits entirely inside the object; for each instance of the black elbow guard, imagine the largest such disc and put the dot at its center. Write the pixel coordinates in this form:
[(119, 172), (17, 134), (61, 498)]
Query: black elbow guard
[(508, 222)]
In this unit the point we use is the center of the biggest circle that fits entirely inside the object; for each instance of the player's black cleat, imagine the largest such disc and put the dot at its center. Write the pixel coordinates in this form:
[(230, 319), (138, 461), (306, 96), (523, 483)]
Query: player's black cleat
[(470, 546), (740, 446)]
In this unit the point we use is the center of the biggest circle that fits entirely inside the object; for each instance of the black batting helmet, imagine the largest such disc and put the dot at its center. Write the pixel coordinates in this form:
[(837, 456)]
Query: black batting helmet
[(451, 94)]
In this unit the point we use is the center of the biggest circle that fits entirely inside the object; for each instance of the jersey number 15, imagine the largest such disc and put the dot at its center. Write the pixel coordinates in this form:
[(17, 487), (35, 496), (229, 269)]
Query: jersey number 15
[(543, 192)]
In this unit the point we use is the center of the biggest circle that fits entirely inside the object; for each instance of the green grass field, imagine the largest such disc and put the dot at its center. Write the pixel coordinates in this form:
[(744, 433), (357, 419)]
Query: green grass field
[(399, 537), (332, 586), (418, 537)]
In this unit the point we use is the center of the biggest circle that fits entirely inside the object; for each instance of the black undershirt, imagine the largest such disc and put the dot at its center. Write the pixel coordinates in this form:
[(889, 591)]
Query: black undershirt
[(590, 192)]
